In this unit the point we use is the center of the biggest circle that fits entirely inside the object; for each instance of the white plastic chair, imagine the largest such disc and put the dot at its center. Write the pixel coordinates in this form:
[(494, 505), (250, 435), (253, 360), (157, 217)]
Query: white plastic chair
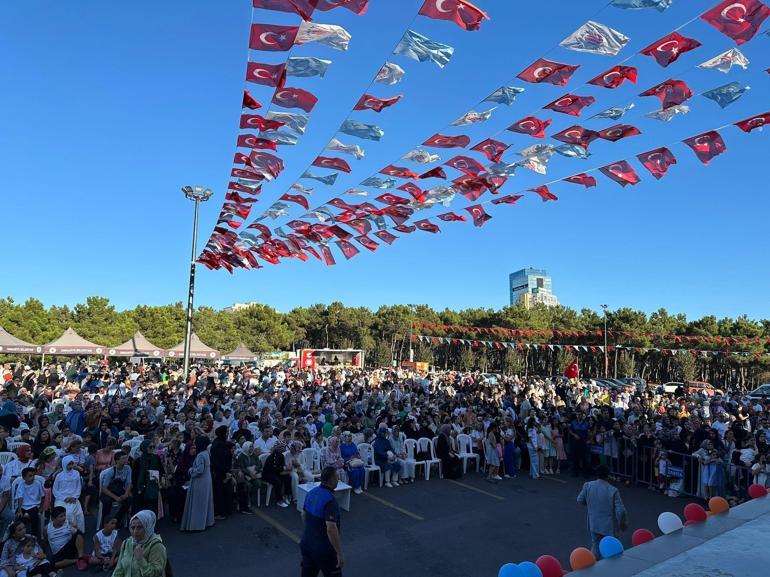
[(410, 445), (7, 457), (425, 445), (466, 452), (434, 453), (367, 456), (310, 459)]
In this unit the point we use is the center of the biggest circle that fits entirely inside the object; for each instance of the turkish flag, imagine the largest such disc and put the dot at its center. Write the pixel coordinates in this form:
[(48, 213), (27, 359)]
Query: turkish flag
[(272, 38), (296, 198), (543, 70), (249, 101), (491, 148), (241, 158), (544, 193), (461, 12), (615, 133), (266, 74), (348, 249), (263, 230), (657, 161), (570, 104), (246, 174), (451, 217), (399, 171), (332, 162), (237, 198), (259, 122), (437, 172), (572, 372), (669, 48), (615, 76), (405, 228), (670, 92), (341, 204), (302, 7), (339, 232), (478, 214), (414, 190), (531, 126), (582, 178), (239, 187), (621, 172), (234, 224), (754, 122), (369, 102), (390, 198), (577, 135), (361, 226), (294, 98), (471, 187), (510, 199), (399, 214), (251, 141), (267, 163), (328, 256), (385, 236), (738, 20), (441, 141), (707, 145), (465, 164), (356, 6), (367, 242), (427, 226)]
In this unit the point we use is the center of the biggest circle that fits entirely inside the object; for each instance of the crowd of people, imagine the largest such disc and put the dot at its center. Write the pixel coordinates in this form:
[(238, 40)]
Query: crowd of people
[(123, 440)]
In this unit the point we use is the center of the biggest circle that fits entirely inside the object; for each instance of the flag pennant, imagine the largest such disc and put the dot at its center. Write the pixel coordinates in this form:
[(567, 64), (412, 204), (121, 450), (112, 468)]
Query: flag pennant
[(249, 101), (293, 121), (421, 48), (268, 164), (355, 6), (294, 98), (348, 249), (595, 38), (586, 180), (328, 256), (465, 164), (576, 135), (306, 66), (570, 104), (479, 215), (332, 162), (381, 183), (441, 141), (727, 94), (266, 74), (725, 61), (707, 145), (272, 38), (392, 199), (437, 172), (296, 198), (614, 113), (451, 217), (659, 5), (356, 192), (329, 35), (421, 156), (385, 236), (531, 126), (369, 102), (427, 226), (510, 199), (390, 74), (352, 149), (367, 242), (235, 197), (414, 191), (399, 172), (615, 133), (302, 7), (666, 114), (615, 76), (473, 117), (407, 229), (543, 70), (298, 187), (259, 122), (670, 92), (463, 13), (360, 225), (740, 20), (544, 193), (669, 48), (572, 151), (657, 161), (251, 141), (621, 172), (327, 179), (361, 130), (492, 149), (504, 95), (470, 187), (757, 122)]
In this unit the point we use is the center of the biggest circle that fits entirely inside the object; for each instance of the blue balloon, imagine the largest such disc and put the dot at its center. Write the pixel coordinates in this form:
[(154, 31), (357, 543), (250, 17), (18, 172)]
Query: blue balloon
[(529, 569), (510, 570), (610, 547)]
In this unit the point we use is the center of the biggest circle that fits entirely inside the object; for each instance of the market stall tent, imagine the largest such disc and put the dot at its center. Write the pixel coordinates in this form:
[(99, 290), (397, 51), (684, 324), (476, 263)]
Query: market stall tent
[(11, 344), (71, 343), (137, 346), (241, 353), (198, 350)]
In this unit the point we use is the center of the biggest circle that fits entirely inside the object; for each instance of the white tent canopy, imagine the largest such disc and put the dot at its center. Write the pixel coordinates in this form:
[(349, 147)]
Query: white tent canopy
[(241, 353), (198, 350)]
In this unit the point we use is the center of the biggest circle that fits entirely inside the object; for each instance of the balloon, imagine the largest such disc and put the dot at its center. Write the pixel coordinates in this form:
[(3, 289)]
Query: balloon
[(709, 513), (719, 505), (529, 569), (642, 536), (669, 522), (690, 522), (610, 547), (581, 558), (756, 491), (549, 566), (695, 513), (509, 570)]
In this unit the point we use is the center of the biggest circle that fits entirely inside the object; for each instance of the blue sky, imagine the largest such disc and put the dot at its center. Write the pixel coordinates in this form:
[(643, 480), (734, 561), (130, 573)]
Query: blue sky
[(107, 109)]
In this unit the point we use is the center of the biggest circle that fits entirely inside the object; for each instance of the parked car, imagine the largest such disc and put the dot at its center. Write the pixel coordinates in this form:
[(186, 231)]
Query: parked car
[(639, 383), (671, 386), (762, 392)]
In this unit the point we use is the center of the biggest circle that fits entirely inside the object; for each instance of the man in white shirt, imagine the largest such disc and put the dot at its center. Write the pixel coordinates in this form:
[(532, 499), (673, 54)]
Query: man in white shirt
[(720, 426), (264, 443)]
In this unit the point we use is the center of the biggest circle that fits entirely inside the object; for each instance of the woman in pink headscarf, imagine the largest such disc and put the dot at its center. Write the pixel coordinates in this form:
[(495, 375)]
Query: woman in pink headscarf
[(331, 457)]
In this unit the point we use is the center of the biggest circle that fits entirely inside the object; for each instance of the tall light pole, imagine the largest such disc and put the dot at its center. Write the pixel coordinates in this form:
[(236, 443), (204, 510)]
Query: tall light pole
[(606, 360), (197, 194)]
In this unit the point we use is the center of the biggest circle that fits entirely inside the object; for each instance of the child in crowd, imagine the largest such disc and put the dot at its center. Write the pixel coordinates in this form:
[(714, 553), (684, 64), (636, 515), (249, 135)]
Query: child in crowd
[(27, 564), (106, 546), (27, 497)]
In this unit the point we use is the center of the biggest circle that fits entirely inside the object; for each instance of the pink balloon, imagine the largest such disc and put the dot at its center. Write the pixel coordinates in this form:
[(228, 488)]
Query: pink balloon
[(642, 536)]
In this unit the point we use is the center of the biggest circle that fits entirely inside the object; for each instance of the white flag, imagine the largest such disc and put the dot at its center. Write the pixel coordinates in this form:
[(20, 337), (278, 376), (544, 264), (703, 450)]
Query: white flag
[(473, 117), (421, 156), (595, 38), (327, 34), (356, 192), (723, 62), (352, 149), (390, 74), (667, 114)]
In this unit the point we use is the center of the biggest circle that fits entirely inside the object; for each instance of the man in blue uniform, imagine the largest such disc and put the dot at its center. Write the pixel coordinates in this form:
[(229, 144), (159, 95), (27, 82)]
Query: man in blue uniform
[(320, 546)]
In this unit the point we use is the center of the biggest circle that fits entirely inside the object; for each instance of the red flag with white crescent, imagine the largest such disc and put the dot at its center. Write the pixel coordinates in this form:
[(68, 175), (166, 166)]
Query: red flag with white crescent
[(405, 228), (750, 124), (669, 48), (355, 6), (582, 178), (461, 12), (480, 217), (670, 92), (415, 191), (272, 38), (657, 161), (531, 126), (451, 217), (471, 187), (544, 193), (385, 236), (427, 226), (241, 188), (615, 133), (437, 172), (543, 70), (615, 76), (332, 162), (235, 197), (259, 122), (266, 74), (296, 198), (328, 256), (267, 163), (577, 135), (707, 145), (465, 164), (509, 199), (347, 248), (398, 171), (360, 225), (492, 149), (621, 172), (369, 102), (738, 20), (251, 141), (249, 101), (294, 98), (367, 242), (302, 7), (392, 199), (571, 104), (442, 141)]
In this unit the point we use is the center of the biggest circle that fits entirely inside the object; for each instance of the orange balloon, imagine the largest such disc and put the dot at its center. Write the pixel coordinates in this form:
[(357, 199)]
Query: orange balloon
[(709, 513), (581, 558), (718, 505)]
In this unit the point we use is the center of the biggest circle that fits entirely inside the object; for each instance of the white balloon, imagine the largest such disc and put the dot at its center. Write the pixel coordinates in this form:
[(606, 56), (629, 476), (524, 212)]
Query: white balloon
[(669, 522)]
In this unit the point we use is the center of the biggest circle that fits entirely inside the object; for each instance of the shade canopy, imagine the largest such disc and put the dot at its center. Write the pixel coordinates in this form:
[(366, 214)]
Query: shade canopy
[(241, 353), (71, 343), (198, 350), (137, 346), (10, 344)]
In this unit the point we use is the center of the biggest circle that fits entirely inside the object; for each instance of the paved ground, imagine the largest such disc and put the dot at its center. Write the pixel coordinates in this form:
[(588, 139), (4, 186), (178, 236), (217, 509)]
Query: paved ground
[(438, 527)]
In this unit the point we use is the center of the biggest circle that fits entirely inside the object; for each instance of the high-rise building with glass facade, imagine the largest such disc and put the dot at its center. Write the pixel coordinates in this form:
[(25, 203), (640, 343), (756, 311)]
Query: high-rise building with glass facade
[(529, 286)]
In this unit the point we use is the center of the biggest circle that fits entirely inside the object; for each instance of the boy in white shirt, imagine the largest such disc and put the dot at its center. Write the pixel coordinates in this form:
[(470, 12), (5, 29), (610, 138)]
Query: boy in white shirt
[(27, 494)]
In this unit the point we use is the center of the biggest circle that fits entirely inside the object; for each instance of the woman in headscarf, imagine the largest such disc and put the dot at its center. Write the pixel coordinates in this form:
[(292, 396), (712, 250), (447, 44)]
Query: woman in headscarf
[(66, 492), (249, 467), (199, 504), (143, 554), (451, 465), (76, 418), (332, 457), (385, 457), (23, 460), (179, 482), (296, 472), (354, 465), (399, 448), (17, 532), (149, 471), (42, 441), (275, 472), (221, 476)]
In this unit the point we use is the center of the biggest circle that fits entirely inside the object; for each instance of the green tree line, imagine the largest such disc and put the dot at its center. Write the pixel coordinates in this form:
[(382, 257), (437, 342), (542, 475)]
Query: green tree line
[(385, 335)]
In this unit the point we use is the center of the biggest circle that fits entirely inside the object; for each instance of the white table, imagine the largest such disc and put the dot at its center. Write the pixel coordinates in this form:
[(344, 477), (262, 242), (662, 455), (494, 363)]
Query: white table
[(341, 493)]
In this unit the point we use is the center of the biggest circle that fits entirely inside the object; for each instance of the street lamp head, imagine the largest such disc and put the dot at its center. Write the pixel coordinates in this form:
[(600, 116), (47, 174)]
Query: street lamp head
[(197, 193), (604, 307)]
